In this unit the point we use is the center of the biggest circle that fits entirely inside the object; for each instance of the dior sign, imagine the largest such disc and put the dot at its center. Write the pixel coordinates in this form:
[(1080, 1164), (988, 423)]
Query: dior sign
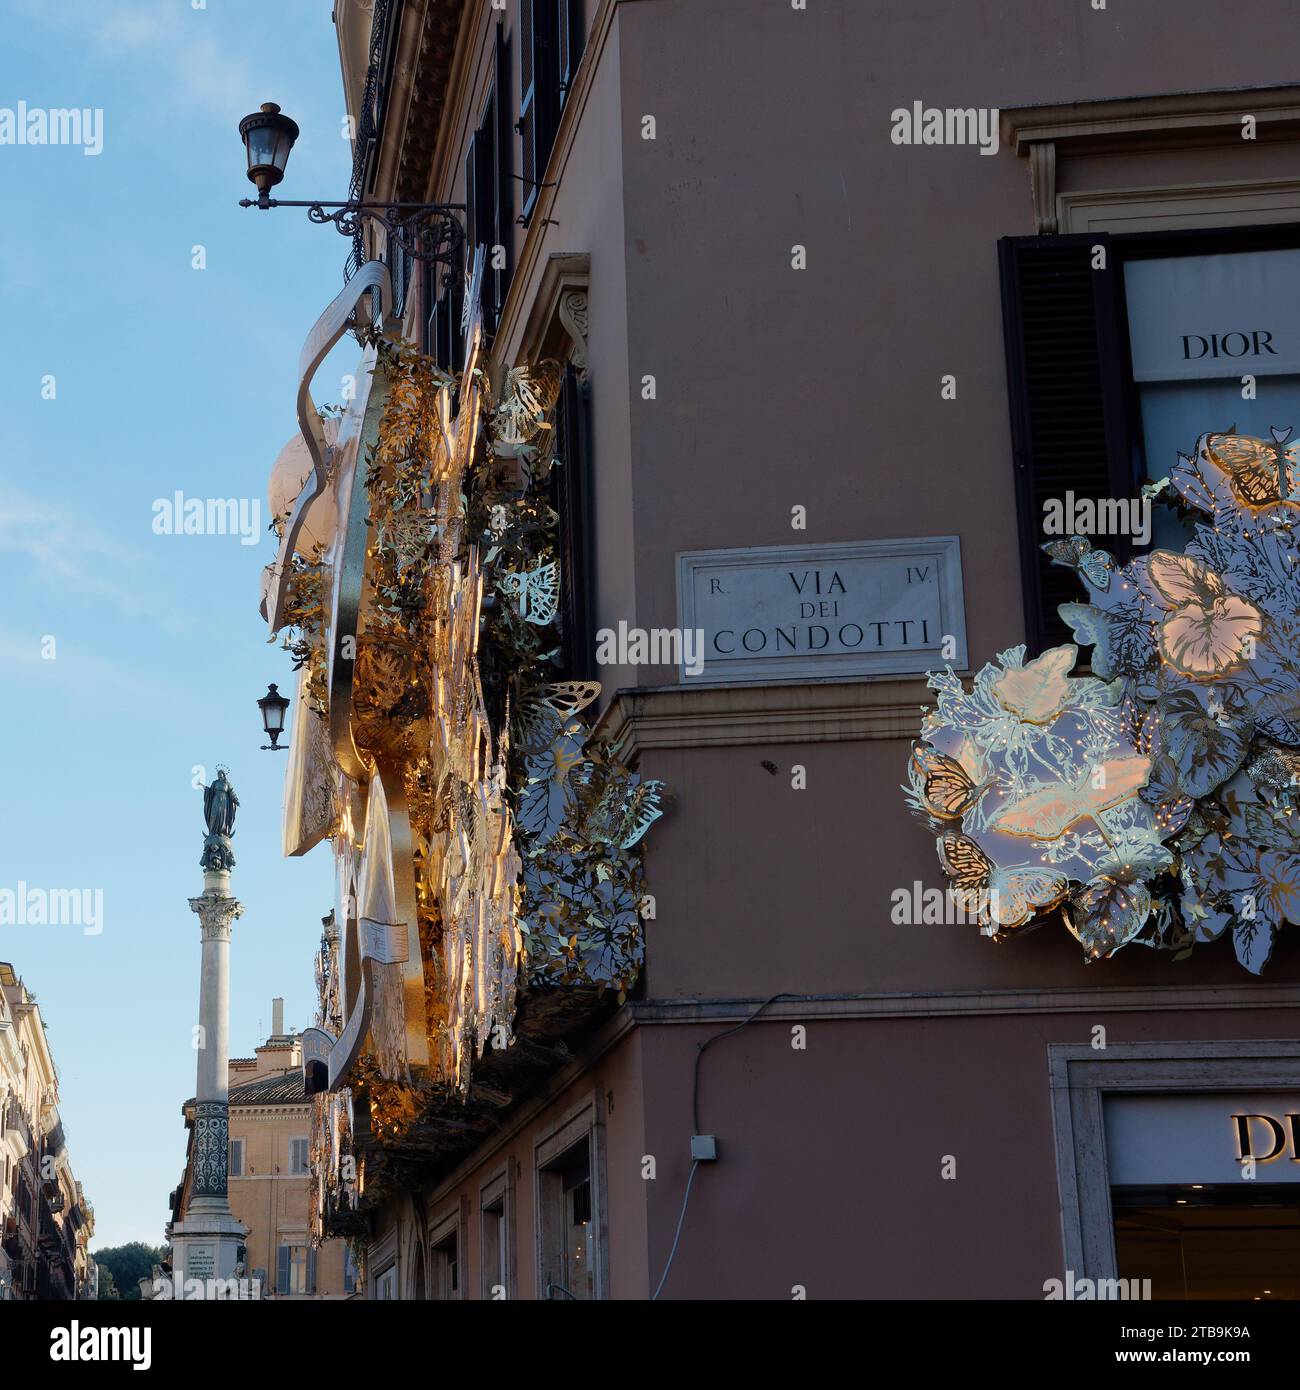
[(823, 612)]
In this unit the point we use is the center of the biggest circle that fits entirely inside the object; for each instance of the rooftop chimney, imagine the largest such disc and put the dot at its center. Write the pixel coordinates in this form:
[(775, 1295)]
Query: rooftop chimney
[(277, 1018)]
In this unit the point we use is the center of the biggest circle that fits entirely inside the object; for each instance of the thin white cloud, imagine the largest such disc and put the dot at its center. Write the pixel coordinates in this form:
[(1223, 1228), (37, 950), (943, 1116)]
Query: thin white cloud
[(72, 668)]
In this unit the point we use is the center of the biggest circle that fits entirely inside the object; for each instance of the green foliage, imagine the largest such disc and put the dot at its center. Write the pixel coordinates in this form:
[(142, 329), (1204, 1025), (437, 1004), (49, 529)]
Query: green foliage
[(123, 1266)]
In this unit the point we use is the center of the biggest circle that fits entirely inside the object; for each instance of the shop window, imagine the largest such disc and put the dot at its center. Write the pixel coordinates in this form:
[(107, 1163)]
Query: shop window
[(1210, 1241), (351, 1273), (567, 1234), (1121, 350), (386, 1284)]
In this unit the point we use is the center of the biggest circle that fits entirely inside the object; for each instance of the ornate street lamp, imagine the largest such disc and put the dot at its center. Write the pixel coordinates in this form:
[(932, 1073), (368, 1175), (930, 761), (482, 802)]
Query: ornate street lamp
[(273, 706), (426, 231)]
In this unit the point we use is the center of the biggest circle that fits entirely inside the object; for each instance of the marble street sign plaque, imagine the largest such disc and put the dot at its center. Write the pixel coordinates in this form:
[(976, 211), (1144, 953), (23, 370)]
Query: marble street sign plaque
[(824, 612)]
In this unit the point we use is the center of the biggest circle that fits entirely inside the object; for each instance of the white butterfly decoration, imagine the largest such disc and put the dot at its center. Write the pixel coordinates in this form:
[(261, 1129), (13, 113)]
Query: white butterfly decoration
[(536, 592)]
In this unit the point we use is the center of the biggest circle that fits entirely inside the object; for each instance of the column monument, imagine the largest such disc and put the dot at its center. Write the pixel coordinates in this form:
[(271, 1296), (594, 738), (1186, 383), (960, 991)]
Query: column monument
[(206, 1242)]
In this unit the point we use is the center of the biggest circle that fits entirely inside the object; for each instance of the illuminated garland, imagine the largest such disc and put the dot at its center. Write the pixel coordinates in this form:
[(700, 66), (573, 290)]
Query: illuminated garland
[(1159, 807), (525, 839)]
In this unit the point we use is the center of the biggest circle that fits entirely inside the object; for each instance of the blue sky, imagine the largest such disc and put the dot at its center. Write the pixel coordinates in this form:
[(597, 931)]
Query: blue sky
[(166, 378)]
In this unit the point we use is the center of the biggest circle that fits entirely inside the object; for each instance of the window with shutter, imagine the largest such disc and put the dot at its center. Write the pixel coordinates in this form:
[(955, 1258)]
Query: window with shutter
[(471, 186), (283, 1256), (429, 329), (539, 91), (485, 209), (1067, 374), (528, 163), (311, 1269), (503, 189), (570, 480), (571, 39)]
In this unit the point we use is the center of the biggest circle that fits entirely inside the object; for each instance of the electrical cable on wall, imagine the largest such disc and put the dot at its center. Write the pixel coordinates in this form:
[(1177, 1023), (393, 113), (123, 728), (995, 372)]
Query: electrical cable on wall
[(697, 1133)]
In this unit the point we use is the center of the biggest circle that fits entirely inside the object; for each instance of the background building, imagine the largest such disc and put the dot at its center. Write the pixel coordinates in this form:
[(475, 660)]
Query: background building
[(791, 336), (45, 1221), (269, 1175)]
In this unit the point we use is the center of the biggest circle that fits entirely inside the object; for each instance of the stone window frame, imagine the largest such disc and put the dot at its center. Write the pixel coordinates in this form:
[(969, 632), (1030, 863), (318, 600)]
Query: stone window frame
[(1081, 1077), (382, 1258), (451, 1225), (500, 1189), (584, 1119)]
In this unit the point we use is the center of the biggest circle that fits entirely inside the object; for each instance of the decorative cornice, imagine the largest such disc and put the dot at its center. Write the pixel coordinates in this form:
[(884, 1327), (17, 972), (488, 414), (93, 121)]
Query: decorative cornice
[(675, 716), (1167, 114), (1171, 118), (941, 1003), (561, 299)]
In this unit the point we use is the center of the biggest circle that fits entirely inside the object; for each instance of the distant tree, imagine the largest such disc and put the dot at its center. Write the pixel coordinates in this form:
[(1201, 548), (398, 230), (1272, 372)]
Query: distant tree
[(107, 1288), (124, 1266)]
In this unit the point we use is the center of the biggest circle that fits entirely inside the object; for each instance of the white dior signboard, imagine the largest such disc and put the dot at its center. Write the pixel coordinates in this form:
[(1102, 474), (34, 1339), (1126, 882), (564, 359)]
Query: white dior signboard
[(824, 612), (1197, 317)]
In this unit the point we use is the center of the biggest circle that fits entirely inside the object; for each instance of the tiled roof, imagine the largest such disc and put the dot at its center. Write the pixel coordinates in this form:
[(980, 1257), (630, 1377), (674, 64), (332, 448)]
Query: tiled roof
[(271, 1090)]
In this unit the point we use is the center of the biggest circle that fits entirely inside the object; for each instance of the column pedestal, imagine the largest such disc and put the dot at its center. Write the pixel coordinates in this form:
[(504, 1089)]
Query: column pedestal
[(206, 1241)]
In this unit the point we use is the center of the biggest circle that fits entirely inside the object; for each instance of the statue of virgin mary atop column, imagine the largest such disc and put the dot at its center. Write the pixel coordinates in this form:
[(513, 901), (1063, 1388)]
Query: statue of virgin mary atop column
[(219, 806)]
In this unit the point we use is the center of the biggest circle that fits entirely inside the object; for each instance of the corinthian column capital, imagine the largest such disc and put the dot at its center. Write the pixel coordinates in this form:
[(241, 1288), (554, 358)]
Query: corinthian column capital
[(216, 916)]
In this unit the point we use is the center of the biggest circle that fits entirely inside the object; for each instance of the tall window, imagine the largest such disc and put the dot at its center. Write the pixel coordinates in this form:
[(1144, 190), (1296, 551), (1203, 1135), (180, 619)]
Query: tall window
[(570, 481), (1121, 350), (298, 1157), (489, 199), (1214, 343), (236, 1158), (567, 1232), (295, 1273), (551, 39), (495, 1261), (444, 1267)]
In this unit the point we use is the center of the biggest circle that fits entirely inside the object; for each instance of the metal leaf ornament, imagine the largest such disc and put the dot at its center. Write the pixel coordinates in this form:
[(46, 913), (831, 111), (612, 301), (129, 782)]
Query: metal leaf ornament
[(1030, 781), (1201, 652)]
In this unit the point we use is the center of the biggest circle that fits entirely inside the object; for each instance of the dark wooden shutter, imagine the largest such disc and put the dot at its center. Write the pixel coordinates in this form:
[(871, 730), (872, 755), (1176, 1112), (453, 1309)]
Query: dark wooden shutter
[(1067, 375), (311, 1269), (527, 106), (570, 478), (539, 96), (471, 186), (571, 37), (485, 211), (429, 329), (282, 1257), (503, 192)]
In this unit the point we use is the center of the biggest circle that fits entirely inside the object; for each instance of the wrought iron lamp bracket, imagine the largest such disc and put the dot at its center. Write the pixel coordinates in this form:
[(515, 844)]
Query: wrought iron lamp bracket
[(428, 232)]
